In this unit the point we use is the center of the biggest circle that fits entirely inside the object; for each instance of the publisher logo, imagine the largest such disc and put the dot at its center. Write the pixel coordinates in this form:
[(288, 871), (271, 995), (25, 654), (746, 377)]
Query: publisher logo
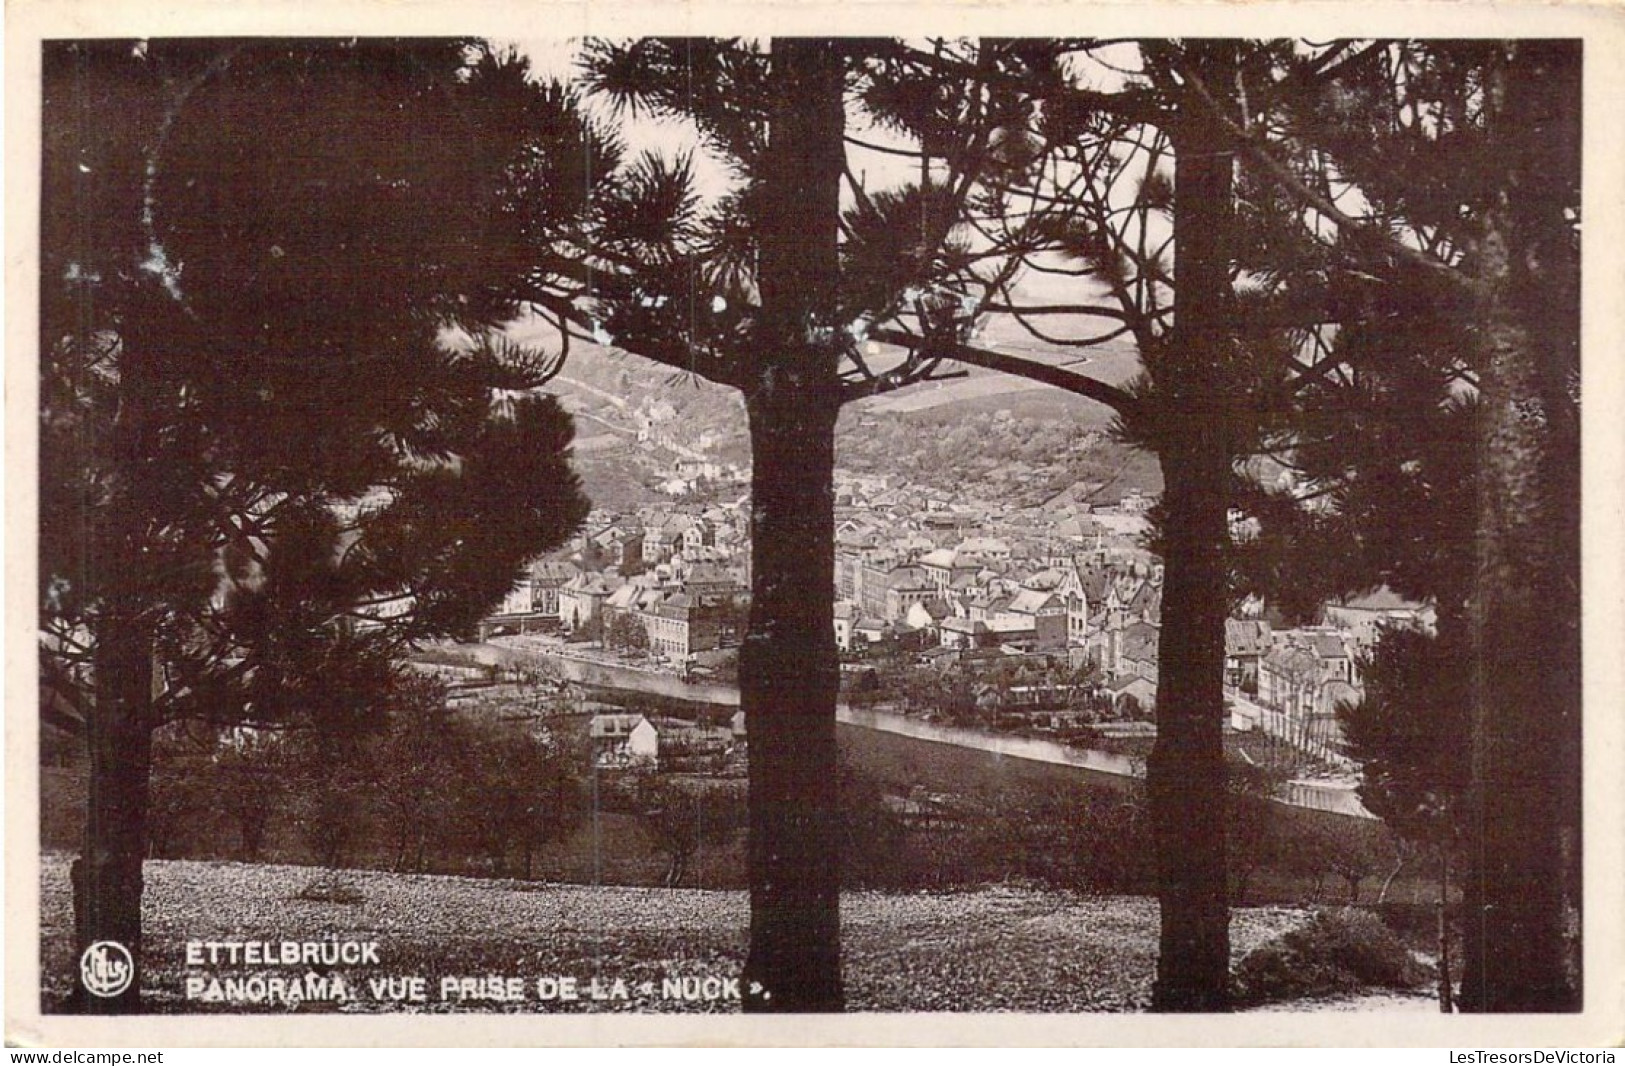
[(106, 968)]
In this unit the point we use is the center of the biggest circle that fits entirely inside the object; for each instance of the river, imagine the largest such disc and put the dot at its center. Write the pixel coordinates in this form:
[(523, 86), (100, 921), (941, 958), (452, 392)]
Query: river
[(1331, 797)]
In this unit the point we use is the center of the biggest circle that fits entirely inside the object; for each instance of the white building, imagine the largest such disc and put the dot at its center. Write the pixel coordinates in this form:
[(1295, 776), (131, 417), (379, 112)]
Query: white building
[(623, 740)]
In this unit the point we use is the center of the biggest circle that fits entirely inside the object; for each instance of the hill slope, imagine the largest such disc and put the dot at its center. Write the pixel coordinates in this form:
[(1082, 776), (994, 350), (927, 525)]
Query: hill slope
[(996, 949)]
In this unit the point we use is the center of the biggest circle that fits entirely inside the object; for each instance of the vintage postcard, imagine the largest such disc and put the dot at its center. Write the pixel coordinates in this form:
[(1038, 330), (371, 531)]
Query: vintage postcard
[(856, 524)]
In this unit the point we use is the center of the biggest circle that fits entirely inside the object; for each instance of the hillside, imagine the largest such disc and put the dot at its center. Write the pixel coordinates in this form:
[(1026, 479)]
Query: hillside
[(1027, 449), (996, 949), (988, 438)]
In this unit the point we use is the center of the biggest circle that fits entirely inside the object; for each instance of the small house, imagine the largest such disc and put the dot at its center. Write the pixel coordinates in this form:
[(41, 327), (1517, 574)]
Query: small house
[(623, 740)]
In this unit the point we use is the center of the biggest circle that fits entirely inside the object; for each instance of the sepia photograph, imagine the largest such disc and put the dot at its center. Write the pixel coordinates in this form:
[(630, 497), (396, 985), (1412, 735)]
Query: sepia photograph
[(803, 524)]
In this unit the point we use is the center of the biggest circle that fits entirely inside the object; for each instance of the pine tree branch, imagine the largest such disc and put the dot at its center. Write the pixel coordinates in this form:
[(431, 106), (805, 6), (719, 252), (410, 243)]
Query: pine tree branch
[(1098, 311), (900, 378), (722, 370), (870, 146), (1020, 315), (1329, 67), (1133, 105), (1070, 381), (1362, 235)]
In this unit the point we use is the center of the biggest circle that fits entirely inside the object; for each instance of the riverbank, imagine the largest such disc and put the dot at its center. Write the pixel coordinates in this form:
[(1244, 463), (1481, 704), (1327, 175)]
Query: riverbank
[(1331, 797)]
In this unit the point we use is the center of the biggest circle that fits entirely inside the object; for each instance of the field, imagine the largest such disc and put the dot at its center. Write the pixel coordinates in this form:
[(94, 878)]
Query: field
[(1000, 948)]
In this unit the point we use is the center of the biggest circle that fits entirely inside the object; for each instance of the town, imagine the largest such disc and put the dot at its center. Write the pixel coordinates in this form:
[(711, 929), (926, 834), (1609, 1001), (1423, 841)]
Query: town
[(1037, 618)]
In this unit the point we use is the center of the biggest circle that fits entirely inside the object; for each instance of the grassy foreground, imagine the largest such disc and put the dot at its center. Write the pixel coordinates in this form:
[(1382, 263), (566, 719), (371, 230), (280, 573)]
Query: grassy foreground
[(993, 949)]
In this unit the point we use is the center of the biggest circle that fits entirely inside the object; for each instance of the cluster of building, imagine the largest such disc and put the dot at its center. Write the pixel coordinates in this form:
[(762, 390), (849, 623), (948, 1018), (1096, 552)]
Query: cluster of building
[(949, 582), (1073, 581), (1069, 581), (659, 426), (1296, 677), (679, 572)]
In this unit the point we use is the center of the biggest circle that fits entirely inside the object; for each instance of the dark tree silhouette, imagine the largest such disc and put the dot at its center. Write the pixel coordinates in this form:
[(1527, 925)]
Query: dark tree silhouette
[(1192, 376), (786, 306), (1468, 155), (1100, 207), (1464, 225), (1524, 886), (788, 671), (265, 460), (1412, 735), (1247, 266)]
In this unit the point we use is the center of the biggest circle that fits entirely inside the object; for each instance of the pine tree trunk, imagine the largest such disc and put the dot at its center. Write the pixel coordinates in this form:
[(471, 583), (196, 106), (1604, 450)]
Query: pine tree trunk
[(1522, 888), (1185, 772), (107, 876), (1446, 988), (788, 670), (788, 679), (1521, 709)]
